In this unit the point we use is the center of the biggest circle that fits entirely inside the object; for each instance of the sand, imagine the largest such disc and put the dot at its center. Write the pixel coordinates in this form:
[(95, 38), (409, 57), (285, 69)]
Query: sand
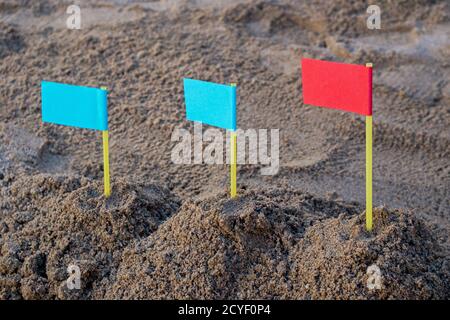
[(268, 244), (170, 231), (281, 245)]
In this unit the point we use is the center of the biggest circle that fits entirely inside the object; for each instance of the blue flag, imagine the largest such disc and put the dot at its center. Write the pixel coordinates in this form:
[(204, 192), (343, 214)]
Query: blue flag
[(210, 103), (74, 106)]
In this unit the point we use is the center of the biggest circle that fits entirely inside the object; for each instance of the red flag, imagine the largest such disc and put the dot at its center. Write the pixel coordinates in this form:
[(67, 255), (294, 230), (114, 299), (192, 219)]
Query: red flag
[(336, 85)]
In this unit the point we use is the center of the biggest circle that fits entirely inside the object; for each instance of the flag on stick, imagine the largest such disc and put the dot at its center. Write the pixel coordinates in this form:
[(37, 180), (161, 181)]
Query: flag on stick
[(81, 107), (214, 104), (346, 87)]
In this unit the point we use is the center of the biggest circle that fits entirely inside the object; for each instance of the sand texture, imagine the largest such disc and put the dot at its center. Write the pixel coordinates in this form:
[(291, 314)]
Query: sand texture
[(170, 231)]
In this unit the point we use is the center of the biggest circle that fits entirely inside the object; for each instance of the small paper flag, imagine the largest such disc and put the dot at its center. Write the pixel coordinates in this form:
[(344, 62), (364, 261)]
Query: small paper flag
[(334, 85), (345, 87), (74, 106), (210, 103)]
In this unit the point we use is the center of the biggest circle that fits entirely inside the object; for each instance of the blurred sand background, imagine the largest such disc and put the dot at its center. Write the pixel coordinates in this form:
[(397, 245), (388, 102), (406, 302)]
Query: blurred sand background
[(303, 226)]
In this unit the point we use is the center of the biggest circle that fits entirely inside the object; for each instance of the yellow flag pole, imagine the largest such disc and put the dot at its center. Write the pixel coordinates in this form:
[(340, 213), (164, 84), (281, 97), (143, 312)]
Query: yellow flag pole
[(233, 162), (369, 173), (106, 163), (369, 147), (106, 160), (233, 178)]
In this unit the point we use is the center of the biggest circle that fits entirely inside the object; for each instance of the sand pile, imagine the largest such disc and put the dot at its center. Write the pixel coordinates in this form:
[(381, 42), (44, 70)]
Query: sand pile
[(49, 222), (282, 244), (144, 241), (267, 244)]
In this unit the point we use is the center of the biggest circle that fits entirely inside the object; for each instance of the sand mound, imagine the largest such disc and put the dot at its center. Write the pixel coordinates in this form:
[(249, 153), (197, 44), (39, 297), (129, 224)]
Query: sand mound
[(51, 222), (281, 244), (267, 244), (332, 260)]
